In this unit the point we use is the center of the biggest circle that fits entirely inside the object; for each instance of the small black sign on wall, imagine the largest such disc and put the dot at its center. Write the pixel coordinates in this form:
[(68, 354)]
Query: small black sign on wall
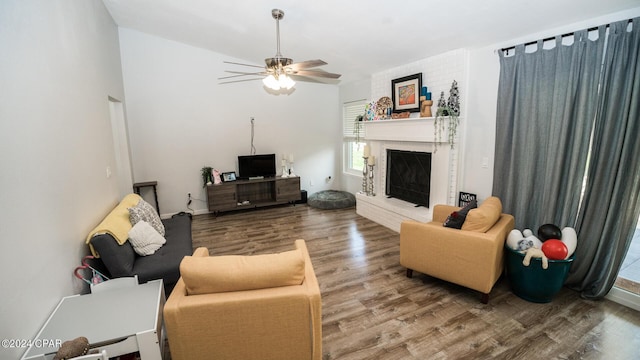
[(464, 198)]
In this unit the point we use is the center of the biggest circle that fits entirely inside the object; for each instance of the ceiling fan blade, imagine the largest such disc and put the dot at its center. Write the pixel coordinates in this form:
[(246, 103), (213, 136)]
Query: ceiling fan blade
[(241, 74), (247, 73), (315, 80), (306, 64), (316, 73), (235, 81), (235, 63)]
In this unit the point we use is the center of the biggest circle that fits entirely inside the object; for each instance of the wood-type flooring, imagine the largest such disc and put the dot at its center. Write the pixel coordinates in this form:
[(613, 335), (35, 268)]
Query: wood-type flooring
[(371, 310)]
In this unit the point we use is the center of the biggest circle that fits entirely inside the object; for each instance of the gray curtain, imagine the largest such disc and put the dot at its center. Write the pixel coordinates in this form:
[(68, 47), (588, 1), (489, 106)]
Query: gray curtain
[(611, 204), (565, 113), (546, 105)]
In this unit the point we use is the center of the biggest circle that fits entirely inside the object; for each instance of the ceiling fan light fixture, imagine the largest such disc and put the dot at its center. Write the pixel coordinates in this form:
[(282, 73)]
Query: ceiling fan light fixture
[(278, 82), (286, 82), (271, 82)]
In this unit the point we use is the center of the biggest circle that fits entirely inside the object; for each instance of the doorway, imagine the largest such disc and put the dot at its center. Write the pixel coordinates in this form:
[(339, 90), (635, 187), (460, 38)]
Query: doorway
[(121, 146), (626, 289), (629, 275)]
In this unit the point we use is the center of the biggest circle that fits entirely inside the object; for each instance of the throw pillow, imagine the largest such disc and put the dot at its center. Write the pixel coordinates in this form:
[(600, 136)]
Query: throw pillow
[(456, 219), (216, 274), (145, 239), (485, 216), (143, 211)]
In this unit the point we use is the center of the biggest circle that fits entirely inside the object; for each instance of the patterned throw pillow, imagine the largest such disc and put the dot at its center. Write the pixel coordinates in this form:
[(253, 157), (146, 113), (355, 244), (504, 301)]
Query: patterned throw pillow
[(456, 219), (145, 212)]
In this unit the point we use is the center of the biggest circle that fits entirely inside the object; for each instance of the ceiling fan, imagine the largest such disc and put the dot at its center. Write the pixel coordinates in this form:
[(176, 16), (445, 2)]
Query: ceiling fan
[(279, 70)]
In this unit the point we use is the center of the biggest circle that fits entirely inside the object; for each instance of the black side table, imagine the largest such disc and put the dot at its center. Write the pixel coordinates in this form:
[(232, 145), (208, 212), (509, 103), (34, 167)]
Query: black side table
[(153, 184)]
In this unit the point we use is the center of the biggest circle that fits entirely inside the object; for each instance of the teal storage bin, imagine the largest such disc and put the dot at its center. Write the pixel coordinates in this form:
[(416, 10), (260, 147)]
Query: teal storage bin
[(533, 283)]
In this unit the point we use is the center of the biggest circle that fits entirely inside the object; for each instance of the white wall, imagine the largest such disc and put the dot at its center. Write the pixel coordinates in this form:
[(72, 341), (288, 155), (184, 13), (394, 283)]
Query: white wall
[(181, 119), (59, 64)]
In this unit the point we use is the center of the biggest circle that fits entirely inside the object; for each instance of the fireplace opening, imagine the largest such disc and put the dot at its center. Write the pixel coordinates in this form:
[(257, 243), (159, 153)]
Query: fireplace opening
[(409, 176)]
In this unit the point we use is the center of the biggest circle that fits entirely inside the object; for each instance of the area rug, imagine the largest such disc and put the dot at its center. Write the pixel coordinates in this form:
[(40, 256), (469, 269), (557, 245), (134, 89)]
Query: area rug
[(331, 199)]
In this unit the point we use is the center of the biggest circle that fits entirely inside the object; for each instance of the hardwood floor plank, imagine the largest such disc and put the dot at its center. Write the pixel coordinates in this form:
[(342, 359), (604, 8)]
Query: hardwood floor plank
[(371, 310)]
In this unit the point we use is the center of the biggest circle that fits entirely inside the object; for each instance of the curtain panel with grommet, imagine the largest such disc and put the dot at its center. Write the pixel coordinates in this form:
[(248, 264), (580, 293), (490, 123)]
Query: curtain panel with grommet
[(564, 117)]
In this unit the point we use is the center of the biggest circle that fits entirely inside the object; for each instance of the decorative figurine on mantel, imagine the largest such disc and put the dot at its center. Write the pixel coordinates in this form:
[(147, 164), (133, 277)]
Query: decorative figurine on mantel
[(453, 103), (402, 115), (425, 103), (442, 106), (447, 109)]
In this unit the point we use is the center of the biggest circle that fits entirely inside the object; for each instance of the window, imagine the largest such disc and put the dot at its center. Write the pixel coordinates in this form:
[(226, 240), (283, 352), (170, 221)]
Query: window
[(353, 137)]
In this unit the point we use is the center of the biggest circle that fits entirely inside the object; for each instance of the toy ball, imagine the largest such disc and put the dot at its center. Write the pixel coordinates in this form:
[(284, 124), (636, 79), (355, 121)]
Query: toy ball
[(527, 232), (549, 231), (554, 249), (514, 237), (570, 239)]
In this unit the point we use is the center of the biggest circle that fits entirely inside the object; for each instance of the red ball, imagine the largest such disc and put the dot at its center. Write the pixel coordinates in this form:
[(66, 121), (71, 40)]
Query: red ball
[(555, 249)]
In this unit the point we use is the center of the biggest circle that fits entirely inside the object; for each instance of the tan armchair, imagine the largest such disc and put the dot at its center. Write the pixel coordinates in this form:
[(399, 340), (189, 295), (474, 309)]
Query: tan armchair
[(245, 307), (472, 256)]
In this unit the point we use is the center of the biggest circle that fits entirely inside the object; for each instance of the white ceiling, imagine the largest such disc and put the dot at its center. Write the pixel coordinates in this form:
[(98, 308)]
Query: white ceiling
[(356, 38)]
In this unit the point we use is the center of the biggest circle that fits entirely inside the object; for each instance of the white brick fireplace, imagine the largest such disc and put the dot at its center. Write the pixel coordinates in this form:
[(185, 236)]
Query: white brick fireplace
[(416, 134)]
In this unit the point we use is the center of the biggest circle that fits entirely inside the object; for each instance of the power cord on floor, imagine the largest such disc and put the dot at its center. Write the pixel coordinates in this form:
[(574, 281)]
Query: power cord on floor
[(189, 201)]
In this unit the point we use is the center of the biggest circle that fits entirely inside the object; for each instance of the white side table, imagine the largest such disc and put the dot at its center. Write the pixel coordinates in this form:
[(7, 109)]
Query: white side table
[(120, 321)]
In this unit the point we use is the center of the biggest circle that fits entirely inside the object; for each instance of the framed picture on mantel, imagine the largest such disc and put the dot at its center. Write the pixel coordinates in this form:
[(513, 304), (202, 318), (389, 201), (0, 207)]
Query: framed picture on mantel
[(405, 92)]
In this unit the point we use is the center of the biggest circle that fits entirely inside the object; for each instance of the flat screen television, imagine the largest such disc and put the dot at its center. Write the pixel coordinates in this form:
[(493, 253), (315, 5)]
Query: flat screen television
[(409, 176), (252, 166)]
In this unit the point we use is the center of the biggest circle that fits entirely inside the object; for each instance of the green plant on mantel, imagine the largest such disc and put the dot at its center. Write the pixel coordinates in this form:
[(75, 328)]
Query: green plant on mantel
[(207, 175), (447, 110)]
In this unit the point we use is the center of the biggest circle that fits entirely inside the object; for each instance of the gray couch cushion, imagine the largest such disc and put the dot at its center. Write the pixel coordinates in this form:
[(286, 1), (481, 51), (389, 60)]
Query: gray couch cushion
[(118, 259), (165, 262), (121, 260)]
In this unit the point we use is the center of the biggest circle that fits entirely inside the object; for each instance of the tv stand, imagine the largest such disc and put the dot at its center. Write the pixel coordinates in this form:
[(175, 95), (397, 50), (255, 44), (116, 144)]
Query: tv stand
[(252, 193)]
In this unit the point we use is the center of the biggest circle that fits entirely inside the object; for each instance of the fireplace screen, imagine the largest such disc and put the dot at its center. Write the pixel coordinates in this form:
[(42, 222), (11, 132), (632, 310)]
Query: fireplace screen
[(409, 176)]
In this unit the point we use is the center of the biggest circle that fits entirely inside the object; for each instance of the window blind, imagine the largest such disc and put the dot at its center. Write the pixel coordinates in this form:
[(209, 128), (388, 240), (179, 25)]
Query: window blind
[(349, 113)]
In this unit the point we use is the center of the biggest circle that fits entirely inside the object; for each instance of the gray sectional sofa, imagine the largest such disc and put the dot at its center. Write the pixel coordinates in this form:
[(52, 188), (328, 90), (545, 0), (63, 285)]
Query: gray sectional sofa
[(122, 260)]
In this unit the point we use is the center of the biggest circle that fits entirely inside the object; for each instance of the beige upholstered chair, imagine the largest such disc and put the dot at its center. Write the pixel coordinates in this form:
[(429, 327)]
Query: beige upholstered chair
[(472, 256), (245, 307)]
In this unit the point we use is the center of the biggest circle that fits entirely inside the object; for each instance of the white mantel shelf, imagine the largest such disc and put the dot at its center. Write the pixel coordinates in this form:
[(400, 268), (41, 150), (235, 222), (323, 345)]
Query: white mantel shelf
[(408, 129)]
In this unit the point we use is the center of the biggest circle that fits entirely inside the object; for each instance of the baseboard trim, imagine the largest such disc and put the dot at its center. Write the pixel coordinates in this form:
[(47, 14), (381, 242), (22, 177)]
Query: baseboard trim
[(194, 212), (624, 297)]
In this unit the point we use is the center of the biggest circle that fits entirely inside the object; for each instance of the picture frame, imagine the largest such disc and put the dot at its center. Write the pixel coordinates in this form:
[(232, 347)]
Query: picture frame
[(464, 198), (405, 93), (228, 176)]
